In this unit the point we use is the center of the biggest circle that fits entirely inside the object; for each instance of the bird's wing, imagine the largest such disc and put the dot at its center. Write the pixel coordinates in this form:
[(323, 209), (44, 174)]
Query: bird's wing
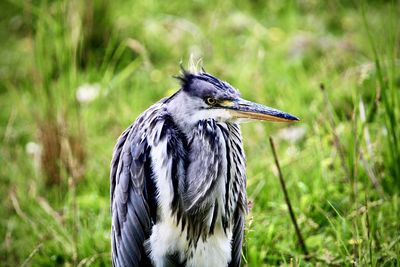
[(239, 188), (237, 238), (151, 142), (130, 200)]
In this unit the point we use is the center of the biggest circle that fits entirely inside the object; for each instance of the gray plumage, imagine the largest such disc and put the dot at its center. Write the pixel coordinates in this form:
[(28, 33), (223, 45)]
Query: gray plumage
[(178, 181)]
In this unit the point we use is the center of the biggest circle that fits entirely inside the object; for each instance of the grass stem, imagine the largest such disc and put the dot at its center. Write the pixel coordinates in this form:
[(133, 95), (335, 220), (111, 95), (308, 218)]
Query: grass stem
[(338, 144), (288, 203)]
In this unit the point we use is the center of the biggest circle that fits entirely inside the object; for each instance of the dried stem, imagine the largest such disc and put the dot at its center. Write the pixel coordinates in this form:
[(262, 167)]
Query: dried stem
[(288, 203), (73, 179)]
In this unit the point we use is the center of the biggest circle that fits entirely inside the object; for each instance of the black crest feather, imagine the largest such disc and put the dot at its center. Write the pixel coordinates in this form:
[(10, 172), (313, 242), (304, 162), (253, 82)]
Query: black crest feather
[(186, 79)]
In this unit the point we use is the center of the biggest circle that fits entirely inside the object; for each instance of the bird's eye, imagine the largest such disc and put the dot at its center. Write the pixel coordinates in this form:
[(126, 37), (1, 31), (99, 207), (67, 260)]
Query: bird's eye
[(211, 101)]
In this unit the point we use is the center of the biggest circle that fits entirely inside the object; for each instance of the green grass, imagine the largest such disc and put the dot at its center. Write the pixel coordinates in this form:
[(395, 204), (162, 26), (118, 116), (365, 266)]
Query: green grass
[(343, 175)]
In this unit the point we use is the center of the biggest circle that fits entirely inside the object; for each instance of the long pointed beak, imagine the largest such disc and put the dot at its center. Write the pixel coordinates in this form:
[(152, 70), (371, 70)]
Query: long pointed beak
[(243, 109)]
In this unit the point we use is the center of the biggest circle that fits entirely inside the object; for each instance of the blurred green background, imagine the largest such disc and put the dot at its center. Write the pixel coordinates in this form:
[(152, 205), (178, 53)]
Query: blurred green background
[(74, 74)]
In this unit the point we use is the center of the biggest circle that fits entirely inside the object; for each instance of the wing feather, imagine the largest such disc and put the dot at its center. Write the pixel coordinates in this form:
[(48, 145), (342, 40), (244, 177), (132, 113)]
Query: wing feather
[(237, 238), (129, 175), (237, 188)]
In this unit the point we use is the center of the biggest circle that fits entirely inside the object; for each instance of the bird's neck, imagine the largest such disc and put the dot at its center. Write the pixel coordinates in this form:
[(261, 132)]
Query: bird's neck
[(182, 114)]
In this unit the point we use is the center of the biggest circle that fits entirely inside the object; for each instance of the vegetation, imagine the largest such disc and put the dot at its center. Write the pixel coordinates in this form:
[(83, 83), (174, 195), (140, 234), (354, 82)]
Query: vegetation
[(74, 74)]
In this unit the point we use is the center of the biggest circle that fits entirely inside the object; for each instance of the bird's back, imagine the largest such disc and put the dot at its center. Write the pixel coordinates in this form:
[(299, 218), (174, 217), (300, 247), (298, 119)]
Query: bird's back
[(177, 197)]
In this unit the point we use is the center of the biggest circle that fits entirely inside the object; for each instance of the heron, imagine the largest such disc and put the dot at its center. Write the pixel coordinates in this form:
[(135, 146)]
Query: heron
[(178, 177)]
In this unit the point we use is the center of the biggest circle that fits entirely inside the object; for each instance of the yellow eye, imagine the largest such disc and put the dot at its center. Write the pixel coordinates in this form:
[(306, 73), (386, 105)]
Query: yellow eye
[(211, 101)]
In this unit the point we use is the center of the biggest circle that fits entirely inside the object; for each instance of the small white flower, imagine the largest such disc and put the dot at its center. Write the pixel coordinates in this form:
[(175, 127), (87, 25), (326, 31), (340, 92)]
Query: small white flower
[(86, 93), (33, 149), (292, 134)]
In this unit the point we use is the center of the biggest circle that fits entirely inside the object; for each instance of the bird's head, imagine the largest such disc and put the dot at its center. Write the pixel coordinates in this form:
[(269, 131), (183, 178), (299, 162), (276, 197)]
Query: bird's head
[(203, 96)]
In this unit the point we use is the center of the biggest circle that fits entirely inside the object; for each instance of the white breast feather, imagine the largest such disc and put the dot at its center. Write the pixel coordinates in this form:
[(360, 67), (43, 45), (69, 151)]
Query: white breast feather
[(167, 238)]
